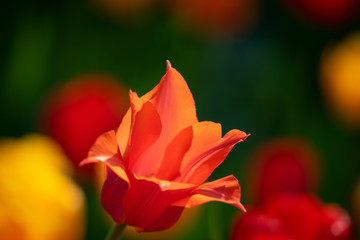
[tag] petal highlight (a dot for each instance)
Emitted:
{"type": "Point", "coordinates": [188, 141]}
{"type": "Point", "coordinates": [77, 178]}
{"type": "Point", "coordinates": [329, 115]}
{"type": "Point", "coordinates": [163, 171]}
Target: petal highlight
{"type": "Point", "coordinates": [225, 190]}
{"type": "Point", "coordinates": [105, 149]}
{"type": "Point", "coordinates": [174, 153]}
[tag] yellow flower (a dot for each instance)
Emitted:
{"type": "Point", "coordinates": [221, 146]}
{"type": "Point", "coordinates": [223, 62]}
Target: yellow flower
{"type": "Point", "coordinates": [340, 75]}
{"type": "Point", "coordinates": [38, 201]}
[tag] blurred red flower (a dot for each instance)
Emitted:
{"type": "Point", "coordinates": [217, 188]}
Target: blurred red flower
{"type": "Point", "coordinates": [325, 12]}
{"type": "Point", "coordinates": [293, 216]}
{"type": "Point", "coordinates": [81, 110]}
{"type": "Point", "coordinates": [159, 157]}
{"type": "Point", "coordinates": [286, 165]}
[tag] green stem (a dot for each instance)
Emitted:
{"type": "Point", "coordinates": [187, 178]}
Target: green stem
{"type": "Point", "coordinates": [115, 232]}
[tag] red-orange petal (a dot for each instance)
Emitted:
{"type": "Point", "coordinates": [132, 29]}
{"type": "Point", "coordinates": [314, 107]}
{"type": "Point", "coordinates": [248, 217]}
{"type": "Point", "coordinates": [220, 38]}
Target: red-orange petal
{"type": "Point", "coordinates": [174, 153]}
{"type": "Point", "coordinates": [176, 107]}
{"type": "Point", "coordinates": [123, 132]}
{"type": "Point", "coordinates": [225, 190]}
{"type": "Point", "coordinates": [146, 130]}
{"type": "Point", "coordinates": [148, 199]}
{"type": "Point", "coordinates": [203, 164]}
{"type": "Point", "coordinates": [105, 149]}
{"type": "Point", "coordinates": [167, 219]}
{"type": "Point", "coordinates": [112, 196]}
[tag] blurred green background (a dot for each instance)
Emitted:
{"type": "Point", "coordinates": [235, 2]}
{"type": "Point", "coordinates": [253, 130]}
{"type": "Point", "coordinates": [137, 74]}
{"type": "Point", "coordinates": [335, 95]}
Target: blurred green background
{"type": "Point", "coordinates": [263, 79]}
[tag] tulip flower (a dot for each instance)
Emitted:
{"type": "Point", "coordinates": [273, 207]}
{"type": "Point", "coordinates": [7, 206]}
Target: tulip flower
{"type": "Point", "coordinates": [38, 199]}
{"type": "Point", "coordinates": [159, 157]}
{"type": "Point", "coordinates": [293, 216]}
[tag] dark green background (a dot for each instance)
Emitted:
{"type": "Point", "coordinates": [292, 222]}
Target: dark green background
{"type": "Point", "coordinates": [264, 82]}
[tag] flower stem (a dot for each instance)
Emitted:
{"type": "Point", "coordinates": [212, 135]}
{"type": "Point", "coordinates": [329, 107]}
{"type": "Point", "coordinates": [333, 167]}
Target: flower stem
{"type": "Point", "coordinates": [115, 232]}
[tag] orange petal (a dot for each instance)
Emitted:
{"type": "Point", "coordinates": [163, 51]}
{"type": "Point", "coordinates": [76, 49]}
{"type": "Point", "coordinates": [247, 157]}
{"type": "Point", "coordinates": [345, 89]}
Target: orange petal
{"type": "Point", "coordinates": [123, 132]}
{"type": "Point", "coordinates": [146, 130]}
{"type": "Point", "coordinates": [200, 167]}
{"type": "Point", "coordinates": [205, 135]}
{"type": "Point", "coordinates": [170, 167]}
{"type": "Point", "coordinates": [105, 149]}
{"type": "Point", "coordinates": [175, 104]}
{"type": "Point", "coordinates": [147, 200]}
{"type": "Point", "coordinates": [225, 190]}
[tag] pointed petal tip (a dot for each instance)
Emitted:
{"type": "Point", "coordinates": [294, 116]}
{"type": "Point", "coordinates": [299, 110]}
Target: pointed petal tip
{"type": "Point", "coordinates": [246, 136]}
{"type": "Point", "coordinates": [240, 206]}
{"type": "Point", "coordinates": [168, 65]}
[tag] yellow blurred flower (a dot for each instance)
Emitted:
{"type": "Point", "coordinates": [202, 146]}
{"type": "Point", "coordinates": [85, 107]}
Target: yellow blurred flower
{"type": "Point", "coordinates": [340, 75]}
{"type": "Point", "coordinates": [38, 201]}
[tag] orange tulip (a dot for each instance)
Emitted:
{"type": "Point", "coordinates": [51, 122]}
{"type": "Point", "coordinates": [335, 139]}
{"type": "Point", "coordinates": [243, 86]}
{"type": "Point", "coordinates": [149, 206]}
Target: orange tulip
{"type": "Point", "coordinates": [159, 157]}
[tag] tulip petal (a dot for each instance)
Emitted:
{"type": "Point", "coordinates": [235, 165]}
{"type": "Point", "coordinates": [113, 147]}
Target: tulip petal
{"type": "Point", "coordinates": [126, 126]}
{"type": "Point", "coordinates": [112, 195]}
{"type": "Point", "coordinates": [200, 167]}
{"type": "Point", "coordinates": [170, 167]}
{"type": "Point", "coordinates": [123, 132]}
{"type": "Point", "coordinates": [167, 219]}
{"type": "Point", "coordinates": [147, 199]}
{"type": "Point", "coordinates": [175, 104]}
{"type": "Point", "coordinates": [205, 135]}
{"type": "Point", "coordinates": [225, 190]}
{"type": "Point", "coordinates": [176, 107]}
{"type": "Point", "coordinates": [146, 130]}
{"type": "Point", "coordinates": [105, 149]}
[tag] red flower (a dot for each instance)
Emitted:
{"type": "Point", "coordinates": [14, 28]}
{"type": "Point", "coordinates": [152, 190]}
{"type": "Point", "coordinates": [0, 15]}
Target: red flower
{"type": "Point", "coordinates": [325, 12]}
{"type": "Point", "coordinates": [159, 157]}
{"type": "Point", "coordinates": [296, 216]}
{"type": "Point", "coordinates": [286, 165]}
{"type": "Point", "coordinates": [81, 110]}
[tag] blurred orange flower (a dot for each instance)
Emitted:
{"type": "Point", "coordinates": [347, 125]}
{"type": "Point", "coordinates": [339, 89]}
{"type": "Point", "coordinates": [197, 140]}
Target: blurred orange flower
{"type": "Point", "coordinates": [216, 16]}
{"type": "Point", "coordinates": [159, 157]}
{"type": "Point", "coordinates": [38, 201]}
{"type": "Point", "coordinates": [79, 111]}
{"type": "Point", "coordinates": [340, 78]}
